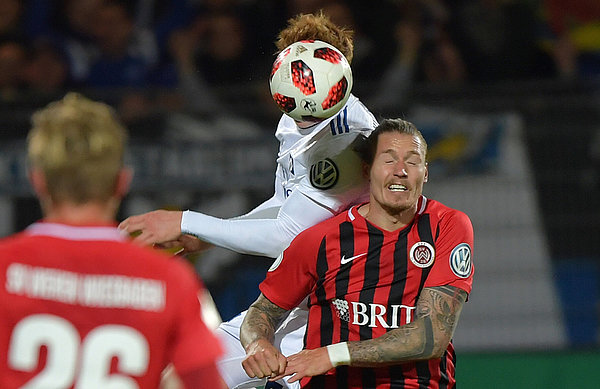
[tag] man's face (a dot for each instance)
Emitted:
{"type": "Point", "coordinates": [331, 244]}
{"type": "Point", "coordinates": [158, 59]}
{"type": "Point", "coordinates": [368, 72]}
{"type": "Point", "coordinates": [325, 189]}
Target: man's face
{"type": "Point", "coordinates": [398, 172]}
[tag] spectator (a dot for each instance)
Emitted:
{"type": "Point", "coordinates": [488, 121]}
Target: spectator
{"type": "Point", "coordinates": [47, 69]}
{"type": "Point", "coordinates": [575, 36]}
{"type": "Point", "coordinates": [225, 56]}
{"type": "Point", "coordinates": [71, 28]}
{"type": "Point", "coordinates": [424, 52]}
{"type": "Point", "coordinates": [12, 60]}
{"type": "Point", "coordinates": [126, 56]}
{"type": "Point", "coordinates": [498, 39]}
{"type": "Point", "coordinates": [11, 18]}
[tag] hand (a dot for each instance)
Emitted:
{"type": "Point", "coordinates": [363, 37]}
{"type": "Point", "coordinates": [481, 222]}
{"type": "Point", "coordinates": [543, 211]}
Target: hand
{"type": "Point", "coordinates": [184, 244]}
{"type": "Point", "coordinates": [264, 360]}
{"type": "Point", "coordinates": [156, 227]}
{"type": "Point", "coordinates": [307, 363]}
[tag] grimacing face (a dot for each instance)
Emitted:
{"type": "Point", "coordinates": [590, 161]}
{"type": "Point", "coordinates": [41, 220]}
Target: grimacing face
{"type": "Point", "coordinates": [398, 172]}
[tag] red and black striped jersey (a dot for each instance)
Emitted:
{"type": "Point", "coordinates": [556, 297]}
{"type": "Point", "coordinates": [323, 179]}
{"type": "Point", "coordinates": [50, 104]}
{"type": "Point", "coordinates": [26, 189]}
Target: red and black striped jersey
{"type": "Point", "coordinates": [363, 281]}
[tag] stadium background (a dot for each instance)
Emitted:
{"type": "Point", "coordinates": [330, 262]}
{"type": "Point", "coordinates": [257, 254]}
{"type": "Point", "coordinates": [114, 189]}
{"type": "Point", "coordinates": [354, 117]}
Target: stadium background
{"type": "Point", "coordinates": [511, 116]}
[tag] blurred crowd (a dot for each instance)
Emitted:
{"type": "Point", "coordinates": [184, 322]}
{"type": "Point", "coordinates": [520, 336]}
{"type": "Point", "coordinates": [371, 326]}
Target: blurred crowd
{"type": "Point", "coordinates": [198, 54]}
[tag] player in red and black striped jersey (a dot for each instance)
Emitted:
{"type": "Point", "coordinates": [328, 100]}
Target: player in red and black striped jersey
{"type": "Point", "coordinates": [386, 282]}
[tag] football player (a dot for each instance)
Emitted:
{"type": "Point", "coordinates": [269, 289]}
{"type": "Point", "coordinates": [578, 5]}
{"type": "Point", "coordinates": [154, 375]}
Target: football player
{"type": "Point", "coordinates": [318, 175]}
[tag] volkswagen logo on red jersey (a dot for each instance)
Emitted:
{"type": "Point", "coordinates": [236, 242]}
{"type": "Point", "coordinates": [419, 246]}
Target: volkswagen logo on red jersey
{"type": "Point", "coordinates": [422, 254]}
{"type": "Point", "coordinates": [324, 174]}
{"type": "Point", "coordinates": [460, 260]}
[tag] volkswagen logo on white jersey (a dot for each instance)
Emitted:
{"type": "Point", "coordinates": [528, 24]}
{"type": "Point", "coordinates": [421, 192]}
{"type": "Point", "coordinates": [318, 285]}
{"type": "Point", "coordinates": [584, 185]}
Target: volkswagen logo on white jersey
{"type": "Point", "coordinates": [460, 260]}
{"type": "Point", "coordinates": [324, 174]}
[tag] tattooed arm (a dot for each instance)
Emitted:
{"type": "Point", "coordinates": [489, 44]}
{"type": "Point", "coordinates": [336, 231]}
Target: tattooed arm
{"type": "Point", "coordinates": [427, 337]}
{"type": "Point", "coordinates": [256, 334]}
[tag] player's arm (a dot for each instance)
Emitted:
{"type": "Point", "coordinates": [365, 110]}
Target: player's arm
{"type": "Point", "coordinates": [427, 337]}
{"type": "Point", "coordinates": [257, 334]}
{"type": "Point", "coordinates": [163, 228]}
{"type": "Point", "coordinates": [267, 236]}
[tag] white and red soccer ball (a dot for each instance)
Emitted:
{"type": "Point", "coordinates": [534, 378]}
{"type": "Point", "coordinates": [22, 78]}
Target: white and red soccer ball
{"type": "Point", "coordinates": [310, 80]}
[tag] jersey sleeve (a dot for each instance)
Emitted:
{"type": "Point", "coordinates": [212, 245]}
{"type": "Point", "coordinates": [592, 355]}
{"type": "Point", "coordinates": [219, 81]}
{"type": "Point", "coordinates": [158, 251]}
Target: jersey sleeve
{"type": "Point", "coordinates": [258, 236]}
{"type": "Point", "coordinates": [453, 264]}
{"type": "Point", "coordinates": [194, 345]}
{"type": "Point", "coordinates": [292, 276]}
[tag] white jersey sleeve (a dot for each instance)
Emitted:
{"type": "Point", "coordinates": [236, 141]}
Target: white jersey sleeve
{"type": "Point", "coordinates": [265, 236]}
{"type": "Point", "coordinates": [318, 175]}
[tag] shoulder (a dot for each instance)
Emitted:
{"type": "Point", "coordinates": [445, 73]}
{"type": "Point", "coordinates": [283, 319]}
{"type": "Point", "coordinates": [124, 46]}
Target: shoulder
{"type": "Point", "coordinates": [158, 259]}
{"type": "Point", "coordinates": [354, 117]}
{"type": "Point", "coordinates": [441, 210]}
{"type": "Point", "coordinates": [447, 218]}
{"type": "Point", "coordinates": [358, 115]}
{"type": "Point", "coordinates": [286, 125]}
{"type": "Point", "coordinates": [320, 230]}
{"type": "Point", "coordinates": [175, 271]}
{"type": "Point", "coordinates": [13, 242]}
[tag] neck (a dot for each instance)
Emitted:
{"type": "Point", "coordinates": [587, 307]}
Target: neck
{"type": "Point", "coordinates": [80, 214]}
{"type": "Point", "coordinates": [389, 219]}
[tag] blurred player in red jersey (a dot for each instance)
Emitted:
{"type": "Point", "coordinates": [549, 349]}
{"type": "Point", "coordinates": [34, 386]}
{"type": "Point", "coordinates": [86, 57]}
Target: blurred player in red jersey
{"type": "Point", "coordinates": [80, 306]}
{"type": "Point", "coordinates": [386, 282]}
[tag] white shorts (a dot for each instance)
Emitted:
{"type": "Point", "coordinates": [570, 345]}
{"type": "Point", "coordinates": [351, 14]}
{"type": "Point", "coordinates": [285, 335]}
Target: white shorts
{"type": "Point", "coordinates": [289, 339]}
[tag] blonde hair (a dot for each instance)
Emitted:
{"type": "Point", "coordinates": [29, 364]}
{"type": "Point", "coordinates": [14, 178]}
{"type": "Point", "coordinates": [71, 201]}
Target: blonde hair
{"type": "Point", "coordinates": [316, 27]}
{"type": "Point", "coordinates": [79, 145]}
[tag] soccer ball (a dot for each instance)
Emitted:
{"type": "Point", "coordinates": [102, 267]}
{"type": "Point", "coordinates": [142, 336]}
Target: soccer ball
{"type": "Point", "coordinates": [310, 80]}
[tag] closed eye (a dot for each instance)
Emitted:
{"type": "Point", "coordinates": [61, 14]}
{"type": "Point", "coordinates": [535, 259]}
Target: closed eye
{"type": "Point", "coordinates": [413, 161]}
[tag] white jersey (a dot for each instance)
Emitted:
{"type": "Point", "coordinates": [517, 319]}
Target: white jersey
{"type": "Point", "coordinates": [319, 161]}
{"type": "Point", "coordinates": [318, 175]}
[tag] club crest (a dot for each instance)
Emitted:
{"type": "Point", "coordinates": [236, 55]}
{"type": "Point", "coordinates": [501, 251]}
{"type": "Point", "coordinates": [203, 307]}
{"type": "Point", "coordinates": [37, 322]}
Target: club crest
{"type": "Point", "coordinates": [460, 260]}
{"type": "Point", "coordinates": [422, 254]}
{"type": "Point", "coordinates": [324, 174]}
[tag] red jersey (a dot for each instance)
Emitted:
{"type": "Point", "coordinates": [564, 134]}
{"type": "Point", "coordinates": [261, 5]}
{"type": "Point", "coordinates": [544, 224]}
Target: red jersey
{"type": "Point", "coordinates": [363, 281]}
{"type": "Point", "coordinates": [82, 308]}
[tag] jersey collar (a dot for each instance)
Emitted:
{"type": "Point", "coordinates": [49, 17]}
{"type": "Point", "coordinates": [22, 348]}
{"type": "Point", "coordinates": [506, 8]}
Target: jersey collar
{"type": "Point", "coordinates": [71, 232]}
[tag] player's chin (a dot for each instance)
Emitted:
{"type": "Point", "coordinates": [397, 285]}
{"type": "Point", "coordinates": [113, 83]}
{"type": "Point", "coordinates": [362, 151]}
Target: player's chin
{"type": "Point", "coordinates": [308, 123]}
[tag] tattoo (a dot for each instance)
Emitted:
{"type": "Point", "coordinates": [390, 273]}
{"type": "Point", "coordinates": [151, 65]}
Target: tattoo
{"type": "Point", "coordinates": [261, 320]}
{"type": "Point", "coordinates": [447, 303]}
{"type": "Point", "coordinates": [437, 313]}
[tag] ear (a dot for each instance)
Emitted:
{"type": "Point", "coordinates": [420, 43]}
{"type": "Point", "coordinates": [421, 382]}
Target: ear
{"type": "Point", "coordinates": [38, 182]}
{"type": "Point", "coordinates": [366, 170]}
{"type": "Point", "coordinates": [426, 172]}
{"type": "Point", "coordinates": [123, 182]}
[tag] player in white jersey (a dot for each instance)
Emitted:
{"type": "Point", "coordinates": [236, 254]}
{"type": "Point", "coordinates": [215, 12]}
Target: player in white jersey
{"type": "Point", "coordinates": [318, 175]}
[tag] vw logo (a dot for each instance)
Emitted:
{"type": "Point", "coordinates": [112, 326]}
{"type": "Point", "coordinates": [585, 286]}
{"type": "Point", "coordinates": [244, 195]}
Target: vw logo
{"type": "Point", "coordinates": [324, 174]}
{"type": "Point", "coordinates": [460, 260]}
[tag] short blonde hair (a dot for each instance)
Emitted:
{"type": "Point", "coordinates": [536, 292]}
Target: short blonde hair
{"type": "Point", "coordinates": [79, 145]}
{"type": "Point", "coordinates": [317, 27]}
